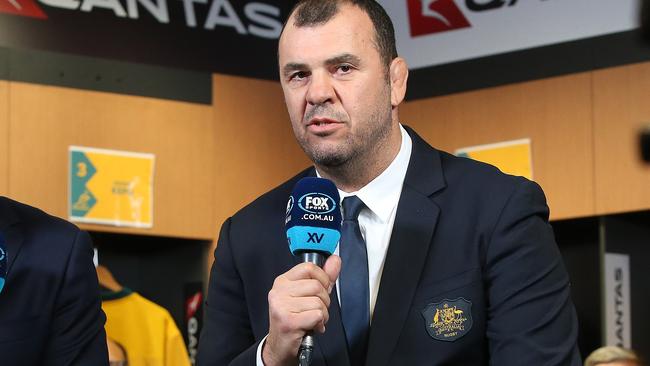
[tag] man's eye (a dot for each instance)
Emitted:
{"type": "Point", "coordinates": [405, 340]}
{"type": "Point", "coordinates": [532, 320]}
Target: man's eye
{"type": "Point", "coordinates": [345, 68]}
{"type": "Point", "coordinates": [298, 75]}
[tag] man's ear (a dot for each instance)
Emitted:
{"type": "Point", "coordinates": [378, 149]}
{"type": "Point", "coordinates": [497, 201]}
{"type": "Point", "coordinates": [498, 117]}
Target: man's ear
{"type": "Point", "coordinates": [399, 74]}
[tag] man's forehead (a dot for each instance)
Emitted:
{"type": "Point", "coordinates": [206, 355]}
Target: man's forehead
{"type": "Point", "coordinates": [349, 27]}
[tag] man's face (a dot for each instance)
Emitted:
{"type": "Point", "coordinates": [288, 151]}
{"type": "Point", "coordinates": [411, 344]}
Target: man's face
{"type": "Point", "coordinates": [336, 88]}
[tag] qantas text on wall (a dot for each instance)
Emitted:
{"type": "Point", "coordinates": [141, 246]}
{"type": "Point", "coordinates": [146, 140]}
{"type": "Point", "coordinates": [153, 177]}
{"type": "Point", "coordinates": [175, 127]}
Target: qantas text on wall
{"type": "Point", "coordinates": [253, 18]}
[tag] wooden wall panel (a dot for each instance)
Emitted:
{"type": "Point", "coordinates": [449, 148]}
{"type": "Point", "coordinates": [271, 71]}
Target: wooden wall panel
{"type": "Point", "coordinates": [621, 107]}
{"type": "Point", "coordinates": [555, 113]}
{"type": "Point", "coordinates": [45, 120]}
{"type": "Point", "coordinates": [255, 147]}
{"type": "Point", "coordinates": [4, 137]}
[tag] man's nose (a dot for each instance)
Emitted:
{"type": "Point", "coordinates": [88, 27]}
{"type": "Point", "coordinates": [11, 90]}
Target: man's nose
{"type": "Point", "coordinates": [321, 89]}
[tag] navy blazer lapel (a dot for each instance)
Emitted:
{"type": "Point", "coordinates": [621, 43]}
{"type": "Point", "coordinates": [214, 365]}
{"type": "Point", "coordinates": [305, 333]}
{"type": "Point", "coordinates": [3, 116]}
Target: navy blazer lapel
{"type": "Point", "coordinates": [415, 223]}
{"type": "Point", "coordinates": [10, 230]}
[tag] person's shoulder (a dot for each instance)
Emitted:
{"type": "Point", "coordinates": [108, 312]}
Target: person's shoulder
{"type": "Point", "coordinates": [461, 172]}
{"type": "Point", "coordinates": [33, 219]}
{"type": "Point", "coordinates": [471, 172]}
{"type": "Point", "coordinates": [485, 185]}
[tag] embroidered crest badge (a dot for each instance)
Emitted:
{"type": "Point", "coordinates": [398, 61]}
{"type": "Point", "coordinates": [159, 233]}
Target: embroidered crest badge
{"type": "Point", "coordinates": [448, 320]}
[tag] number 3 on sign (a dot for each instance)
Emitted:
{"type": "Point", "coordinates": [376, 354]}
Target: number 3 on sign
{"type": "Point", "coordinates": [82, 170]}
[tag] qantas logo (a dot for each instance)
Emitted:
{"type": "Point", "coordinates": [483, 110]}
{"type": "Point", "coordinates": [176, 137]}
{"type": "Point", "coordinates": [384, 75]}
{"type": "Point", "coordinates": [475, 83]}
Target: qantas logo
{"type": "Point", "coordinates": [192, 304]}
{"type": "Point", "coordinates": [246, 18]}
{"type": "Point", "coordinates": [435, 16]}
{"type": "Point", "coordinates": [27, 8]}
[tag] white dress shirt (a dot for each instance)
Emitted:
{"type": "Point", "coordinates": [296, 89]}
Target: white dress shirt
{"type": "Point", "coordinates": [376, 220]}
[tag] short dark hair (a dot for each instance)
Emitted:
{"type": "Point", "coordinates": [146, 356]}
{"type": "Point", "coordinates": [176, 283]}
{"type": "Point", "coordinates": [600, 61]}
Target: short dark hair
{"type": "Point", "coordinates": [318, 12]}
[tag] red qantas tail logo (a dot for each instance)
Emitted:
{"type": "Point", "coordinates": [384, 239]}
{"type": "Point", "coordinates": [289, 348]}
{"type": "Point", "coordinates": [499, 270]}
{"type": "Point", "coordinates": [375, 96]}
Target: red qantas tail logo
{"type": "Point", "coordinates": [192, 304]}
{"type": "Point", "coordinates": [27, 8]}
{"type": "Point", "coordinates": [433, 16]}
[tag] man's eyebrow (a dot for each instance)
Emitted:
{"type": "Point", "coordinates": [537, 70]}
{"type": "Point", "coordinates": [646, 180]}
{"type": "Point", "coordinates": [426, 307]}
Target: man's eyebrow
{"type": "Point", "coordinates": [343, 59]}
{"type": "Point", "coordinates": [339, 59]}
{"type": "Point", "coordinates": [293, 66]}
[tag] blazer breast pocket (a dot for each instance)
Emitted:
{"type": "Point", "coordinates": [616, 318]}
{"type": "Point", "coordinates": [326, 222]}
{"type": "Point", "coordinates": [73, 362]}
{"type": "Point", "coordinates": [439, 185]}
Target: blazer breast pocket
{"type": "Point", "coordinates": [451, 285]}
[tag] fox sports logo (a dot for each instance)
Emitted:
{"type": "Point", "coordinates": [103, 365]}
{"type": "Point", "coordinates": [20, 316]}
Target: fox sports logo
{"type": "Point", "coordinates": [317, 203]}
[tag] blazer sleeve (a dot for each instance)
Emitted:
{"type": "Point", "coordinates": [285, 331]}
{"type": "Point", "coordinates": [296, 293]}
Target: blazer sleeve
{"type": "Point", "coordinates": [531, 318]}
{"type": "Point", "coordinates": [77, 334]}
{"type": "Point", "coordinates": [227, 337]}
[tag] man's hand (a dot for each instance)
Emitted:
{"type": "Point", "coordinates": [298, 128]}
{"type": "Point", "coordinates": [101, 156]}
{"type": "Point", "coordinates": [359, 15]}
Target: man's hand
{"type": "Point", "coordinates": [298, 303]}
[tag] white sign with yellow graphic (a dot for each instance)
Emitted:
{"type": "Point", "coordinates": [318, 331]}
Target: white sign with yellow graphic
{"type": "Point", "coordinates": [111, 187]}
{"type": "Point", "coordinates": [511, 157]}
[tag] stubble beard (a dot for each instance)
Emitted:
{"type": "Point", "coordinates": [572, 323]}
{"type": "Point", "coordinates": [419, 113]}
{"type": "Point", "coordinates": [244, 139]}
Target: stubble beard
{"type": "Point", "coordinates": [358, 150]}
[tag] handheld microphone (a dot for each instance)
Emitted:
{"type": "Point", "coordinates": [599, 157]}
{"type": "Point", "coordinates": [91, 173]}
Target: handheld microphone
{"type": "Point", "coordinates": [313, 225]}
{"type": "Point", "coordinates": [3, 261]}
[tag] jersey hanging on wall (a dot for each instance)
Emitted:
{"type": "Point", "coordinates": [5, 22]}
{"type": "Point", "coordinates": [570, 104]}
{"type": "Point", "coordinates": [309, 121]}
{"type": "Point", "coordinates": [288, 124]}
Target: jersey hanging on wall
{"type": "Point", "coordinates": [144, 329]}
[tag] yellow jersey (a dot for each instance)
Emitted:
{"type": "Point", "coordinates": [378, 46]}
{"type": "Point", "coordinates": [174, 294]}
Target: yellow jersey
{"type": "Point", "coordinates": [144, 329]}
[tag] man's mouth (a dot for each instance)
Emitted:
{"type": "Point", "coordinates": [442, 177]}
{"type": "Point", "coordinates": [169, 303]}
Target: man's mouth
{"type": "Point", "coordinates": [323, 126]}
{"type": "Point", "coordinates": [321, 122]}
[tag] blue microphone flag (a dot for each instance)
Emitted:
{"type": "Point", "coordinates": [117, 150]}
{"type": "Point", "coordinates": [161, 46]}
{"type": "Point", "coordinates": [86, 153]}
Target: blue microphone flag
{"type": "Point", "coordinates": [3, 262]}
{"type": "Point", "coordinates": [313, 221]}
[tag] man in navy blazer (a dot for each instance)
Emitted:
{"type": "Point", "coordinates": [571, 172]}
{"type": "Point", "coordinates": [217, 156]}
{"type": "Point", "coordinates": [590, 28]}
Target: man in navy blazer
{"type": "Point", "coordinates": [50, 308]}
{"type": "Point", "coordinates": [469, 273]}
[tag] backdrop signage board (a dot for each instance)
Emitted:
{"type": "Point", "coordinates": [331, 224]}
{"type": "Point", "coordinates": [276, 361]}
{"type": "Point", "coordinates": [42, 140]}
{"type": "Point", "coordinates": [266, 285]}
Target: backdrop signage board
{"type": "Point", "coordinates": [618, 317]}
{"type": "Point", "coordinates": [228, 36]}
{"type": "Point", "coordinates": [111, 187]}
{"type": "Point", "coordinates": [240, 36]}
{"type": "Point", "coordinates": [435, 32]}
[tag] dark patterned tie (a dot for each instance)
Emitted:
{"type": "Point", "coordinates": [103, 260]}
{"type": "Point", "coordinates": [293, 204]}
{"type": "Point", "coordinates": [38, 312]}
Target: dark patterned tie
{"type": "Point", "coordinates": [353, 282]}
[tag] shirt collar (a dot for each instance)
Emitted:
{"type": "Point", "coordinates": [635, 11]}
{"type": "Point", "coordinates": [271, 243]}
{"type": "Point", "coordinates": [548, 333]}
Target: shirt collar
{"type": "Point", "coordinates": [382, 194]}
